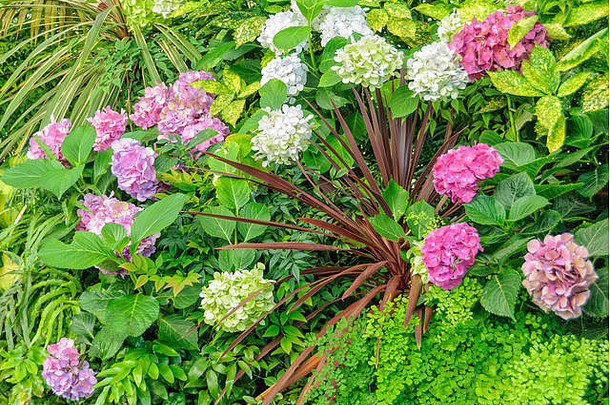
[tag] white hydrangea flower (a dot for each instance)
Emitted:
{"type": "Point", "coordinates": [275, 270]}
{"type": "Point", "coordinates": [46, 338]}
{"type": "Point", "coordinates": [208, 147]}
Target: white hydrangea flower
{"type": "Point", "coordinates": [435, 73]}
{"type": "Point", "coordinates": [282, 134]}
{"type": "Point", "coordinates": [289, 70]}
{"type": "Point", "coordinates": [315, 24]}
{"type": "Point", "coordinates": [370, 61]}
{"type": "Point", "coordinates": [166, 7]}
{"type": "Point", "coordinates": [343, 22]}
{"type": "Point", "coordinates": [449, 26]}
{"type": "Point", "coordinates": [276, 23]}
{"type": "Point", "coordinates": [228, 289]}
{"type": "Point", "coordinates": [417, 262]}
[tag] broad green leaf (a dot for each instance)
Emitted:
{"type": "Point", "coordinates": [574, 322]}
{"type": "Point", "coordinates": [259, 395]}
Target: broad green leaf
{"type": "Point", "coordinates": [327, 60]}
{"type": "Point", "coordinates": [329, 78]}
{"type": "Point", "coordinates": [157, 217]}
{"type": "Point", "coordinates": [387, 227]}
{"type": "Point", "coordinates": [96, 302]}
{"type": "Point", "coordinates": [584, 51]}
{"type": "Point", "coordinates": [177, 331]}
{"type": "Point", "coordinates": [586, 13]}
{"type": "Point", "coordinates": [515, 154]}
{"type": "Point", "coordinates": [218, 228]}
{"type": "Point", "coordinates": [114, 235]}
{"type": "Point", "coordinates": [60, 179]}
{"type": "Point", "coordinates": [594, 238]}
{"type": "Point", "coordinates": [29, 173]}
{"type": "Point", "coordinates": [508, 81]}
{"type": "Point", "coordinates": [540, 70]}
{"type": "Point", "coordinates": [526, 206]}
{"type": "Point", "coordinates": [324, 97]}
{"type": "Point", "coordinates": [553, 190]}
{"type": "Point", "coordinates": [511, 189]}
{"type": "Point", "coordinates": [273, 94]}
{"type": "Point", "coordinates": [420, 218]}
{"type": "Point", "coordinates": [236, 259]}
{"type": "Point", "coordinates": [290, 37]}
{"type": "Point", "coordinates": [107, 342]}
{"type": "Point", "coordinates": [397, 199]}
{"type": "Point", "coordinates": [500, 293]}
{"type": "Point", "coordinates": [78, 145]}
{"type": "Point", "coordinates": [545, 223]}
{"type": "Point", "coordinates": [403, 102]}
{"type": "Point", "coordinates": [520, 28]}
{"type": "Point", "coordinates": [101, 163]}
{"type": "Point", "coordinates": [573, 84]}
{"type": "Point", "coordinates": [593, 181]}
{"type": "Point", "coordinates": [132, 314]}
{"type": "Point", "coordinates": [232, 193]}
{"type": "Point", "coordinates": [598, 301]}
{"type": "Point", "coordinates": [83, 326]}
{"type": "Point", "coordinates": [341, 3]}
{"type": "Point", "coordinates": [86, 250]}
{"type": "Point", "coordinates": [485, 210]}
{"type": "Point", "coordinates": [229, 151]}
{"type": "Point", "coordinates": [513, 245]}
{"type": "Point", "coordinates": [253, 210]}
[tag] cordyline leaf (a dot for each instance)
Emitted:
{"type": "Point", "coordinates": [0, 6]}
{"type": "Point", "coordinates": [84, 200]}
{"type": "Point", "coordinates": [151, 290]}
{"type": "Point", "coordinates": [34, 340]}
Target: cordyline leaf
{"type": "Point", "coordinates": [362, 277]}
{"type": "Point", "coordinates": [414, 292]}
{"type": "Point", "coordinates": [291, 246]}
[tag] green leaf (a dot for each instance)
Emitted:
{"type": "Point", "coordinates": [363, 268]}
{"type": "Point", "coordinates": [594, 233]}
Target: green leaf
{"type": "Point", "coordinates": [500, 293]}
{"type": "Point", "coordinates": [253, 210]}
{"type": "Point", "coordinates": [594, 238]}
{"type": "Point", "coordinates": [545, 223]}
{"type": "Point", "coordinates": [107, 342]}
{"type": "Point", "coordinates": [179, 332]}
{"type": "Point", "coordinates": [419, 218]}
{"type": "Point", "coordinates": [132, 314]}
{"type": "Point", "coordinates": [96, 302]}
{"type": "Point", "coordinates": [553, 190]}
{"type": "Point", "coordinates": [515, 154]}
{"type": "Point", "coordinates": [485, 210]}
{"type": "Point", "coordinates": [157, 217]}
{"type": "Point", "coordinates": [29, 173]}
{"type": "Point", "coordinates": [511, 189]}
{"type": "Point", "coordinates": [557, 134]}
{"type": "Point", "coordinates": [114, 235]}
{"type": "Point", "coordinates": [593, 181]}
{"type": "Point", "coordinates": [520, 28]}
{"type": "Point", "coordinates": [556, 31]}
{"type": "Point", "coordinates": [82, 326]}
{"type": "Point", "coordinates": [78, 145]}
{"type": "Point", "coordinates": [573, 84]}
{"type": "Point", "coordinates": [290, 37]}
{"type": "Point", "coordinates": [586, 13]}
{"type": "Point", "coordinates": [403, 102]}
{"type": "Point", "coordinates": [218, 228]}
{"type": "Point", "coordinates": [236, 259]}
{"type": "Point", "coordinates": [60, 179]}
{"type": "Point", "coordinates": [232, 193]}
{"type": "Point", "coordinates": [584, 51]}
{"type": "Point", "coordinates": [101, 163]}
{"type": "Point", "coordinates": [540, 70]}
{"type": "Point", "coordinates": [397, 199]}
{"type": "Point", "coordinates": [387, 227]}
{"type": "Point", "coordinates": [598, 301]}
{"type": "Point", "coordinates": [526, 206]}
{"type": "Point", "coordinates": [273, 94]}
{"type": "Point", "coordinates": [327, 60]}
{"type": "Point", "coordinates": [341, 3]}
{"type": "Point", "coordinates": [508, 81]}
{"type": "Point", "coordinates": [229, 151]}
{"type": "Point", "coordinates": [548, 110]}
{"type": "Point", "coordinates": [86, 250]}
{"type": "Point", "coordinates": [329, 78]}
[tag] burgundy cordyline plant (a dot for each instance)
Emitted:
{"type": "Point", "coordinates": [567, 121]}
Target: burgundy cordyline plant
{"type": "Point", "coordinates": [66, 374]}
{"type": "Point", "coordinates": [397, 145]}
{"type": "Point", "coordinates": [558, 274]}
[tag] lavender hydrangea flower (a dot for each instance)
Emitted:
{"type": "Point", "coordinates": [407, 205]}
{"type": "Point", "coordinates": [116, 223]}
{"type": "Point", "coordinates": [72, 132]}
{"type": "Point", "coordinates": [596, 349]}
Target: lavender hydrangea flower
{"type": "Point", "coordinates": [134, 167]}
{"type": "Point", "coordinates": [64, 372]}
{"type": "Point", "coordinates": [109, 126]}
{"type": "Point", "coordinates": [52, 135]}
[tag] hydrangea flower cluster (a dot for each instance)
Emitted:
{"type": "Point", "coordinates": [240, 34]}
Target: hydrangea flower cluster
{"type": "Point", "coordinates": [166, 7]}
{"type": "Point", "coordinates": [484, 45]}
{"type": "Point", "coordinates": [147, 111]}
{"type": "Point", "coordinates": [558, 274]}
{"type": "Point", "coordinates": [435, 73]}
{"type": "Point", "coordinates": [449, 26]}
{"type": "Point", "coordinates": [65, 374]}
{"type": "Point", "coordinates": [134, 167]}
{"type": "Point", "coordinates": [109, 126]}
{"type": "Point", "coordinates": [52, 135]}
{"type": "Point", "coordinates": [343, 22]}
{"type": "Point", "coordinates": [290, 70]}
{"type": "Point", "coordinates": [228, 289]}
{"type": "Point", "coordinates": [457, 172]}
{"type": "Point", "coordinates": [110, 210]}
{"type": "Point", "coordinates": [282, 134]}
{"type": "Point", "coordinates": [278, 22]}
{"type": "Point", "coordinates": [202, 124]}
{"type": "Point", "coordinates": [448, 252]}
{"type": "Point", "coordinates": [370, 61]}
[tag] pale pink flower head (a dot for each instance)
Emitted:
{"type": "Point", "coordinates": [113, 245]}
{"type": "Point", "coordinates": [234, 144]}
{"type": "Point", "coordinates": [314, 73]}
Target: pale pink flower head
{"type": "Point", "coordinates": [457, 172]}
{"type": "Point", "coordinates": [147, 111]}
{"type": "Point", "coordinates": [67, 376]}
{"type": "Point", "coordinates": [109, 126]}
{"type": "Point", "coordinates": [484, 45]}
{"type": "Point", "coordinates": [448, 252]}
{"type": "Point", "coordinates": [52, 135]}
{"type": "Point", "coordinates": [558, 274]}
{"type": "Point", "coordinates": [134, 167]}
{"type": "Point", "coordinates": [203, 123]}
{"type": "Point", "coordinates": [190, 95]}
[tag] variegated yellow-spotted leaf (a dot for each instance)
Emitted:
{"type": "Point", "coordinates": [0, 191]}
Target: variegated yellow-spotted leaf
{"type": "Point", "coordinates": [220, 103]}
{"type": "Point", "coordinates": [250, 89]}
{"type": "Point", "coordinates": [548, 111]}
{"type": "Point", "coordinates": [233, 111]}
{"type": "Point", "coordinates": [377, 19]}
{"type": "Point", "coordinates": [212, 86]}
{"type": "Point", "coordinates": [397, 10]}
{"type": "Point", "coordinates": [596, 94]}
{"type": "Point", "coordinates": [556, 31]}
{"type": "Point", "coordinates": [248, 30]}
{"type": "Point", "coordinates": [513, 83]}
{"type": "Point", "coordinates": [573, 84]}
{"type": "Point", "coordinates": [557, 134]}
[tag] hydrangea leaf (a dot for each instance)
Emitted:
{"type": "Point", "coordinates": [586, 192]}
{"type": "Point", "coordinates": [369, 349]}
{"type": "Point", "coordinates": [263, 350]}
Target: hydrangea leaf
{"type": "Point", "coordinates": [156, 217]}
{"type": "Point", "coordinates": [598, 301]}
{"type": "Point", "coordinates": [513, 188]}
{"type": "Point", "coordinates": [515, 154]}
{"type": "Point", "coordinates": [132, 314]}
{"type": "Point", "coordinates": [273, 94]}
{"type": "Point", "coordinates": [485, 210]}
{"type": "Point", "coordinates": [526, 206]}
{"type": "Point", "coordinates": [216, 227]}
{"type": "Point", "coordinates": [500, 293]}
{"type": "Point", "coordinates": [232, 193]}
{"type": "Point", "coordinates": [397, 199]}
{"type": "Point", "coordinates": [327, 60]}
{"type": "Point", "coordinates": [403, 102]}
{"type": "Point", "coordinates": [377, 19]}
{"type": "Point", "coordinates": [59, 180]}
{"type": "Point", "coordinates": [594, 238]}
{"type": "Point", "coordinates": [107, 342]}
{"type": "Point", "coordinates": [556, 31]}
{"type": "Point", "coordinates": [584, 51]}
{"type": "Point", "coordinates": [253, 210]}
{"type": "Point", "coordinates": [86, 250]}
{"type": "Point", "coordinates": [573, 84]}
{"type": "Point", "coordinates": [593, 181]}
{"type": "Point", "coordinates": [520, 28]}
{"type": "Point", "coordinates": [586, 13]}
{"type": "Point", "coordinates": [177, 331]}
{"type": "Point", "coordinates": [387, 227]}
{"type": "Point", "coordinates": [290, 37]}
{"type": "Point", "coordinates": [420, 218]}
{"type": "Point", "coordinates": [236, 259]}
{"type": "Point", "coordinates": [513, 83]}
{"type": "Point", "coordinates": [78, 144]}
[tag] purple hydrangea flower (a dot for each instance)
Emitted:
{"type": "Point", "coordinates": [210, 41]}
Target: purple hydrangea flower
{"type": "Point", "coordinates": [52, 135]}
{"type": "Point", "coordinates": [64, 372]}
{"type": "Point", "coordinates": [134, 167]}
{"type": "Point", "coordinates": [109, 126]}
{"type": "Point", "coordinates": [448, 252]}
{"type": "Point", "coordinates": [558, 274]}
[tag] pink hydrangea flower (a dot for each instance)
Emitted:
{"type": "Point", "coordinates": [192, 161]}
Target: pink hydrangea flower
{"type": "Point", "coordinates": [484, 45]}
{"type": "Point", "coordinates": [457, 172]}
{"type": "Point", "coordinates": [448, 252]}
{"type": "Point", "coordinates": [558, 274]}
{"type": "Point", "coordinates": [134, 167]}
{"type": "Point", "coordinates": [190, 95]}
{"type": "Point", "coordinates": [147, 111]}
{"type": "Point", "coordinates": [109, 126]}
{"type": "Point", "coordinates": [190, 131]}
{"type": "Point", "coordinates": [64, 372]}
{"type": "Point", "coordinates": [52, 135]}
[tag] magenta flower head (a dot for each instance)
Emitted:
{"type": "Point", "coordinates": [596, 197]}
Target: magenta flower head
{"type": "Point", "coordinates": [484, 45]}
{"type": "Point", "coordinates": [64, 372]}
{"type": "Point", "coordinates": [52, 135]}
{"type": "Point", "coordinates": [558, 274]}
{"type": "Point", "coordinates": [457, 172]}
{"type": "Point", "coordinates": [134, 167]}
{"type": "Point", "coordinates": [448, 252]}
{"type": "Point", "coordinates": [109, 126]}
{"type": "Point", "coordinates": [147, 111]}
